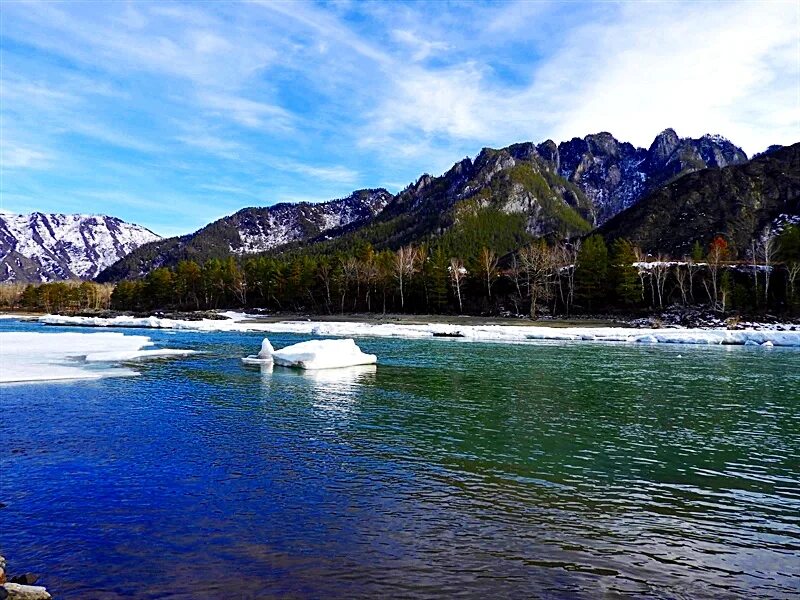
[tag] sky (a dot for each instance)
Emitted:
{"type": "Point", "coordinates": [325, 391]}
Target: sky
{"type": "Point", "coordinates": [173, 114]}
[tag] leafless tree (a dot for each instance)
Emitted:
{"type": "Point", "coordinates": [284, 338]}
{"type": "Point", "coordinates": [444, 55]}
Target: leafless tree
{"type": "Point", "coordinates": [516, 273]}
{"type": "Point", "coordinates": [405, 264]}
{"type": "Point", "coordinates": [717, 254]}
{"type": "Point", "coordinates": [792, 271]}
{"type": "Point", "coordinates": [488, 262]}
{"type": "Point", "coordinates": [457, 274]}
{"type": "Point", "coordinates": [682, 279]}
{"type": "Point", "coordinates": [660, 273]}
{"type": "Point", "coordinates": [349, 274]}
{"type": "Point", "coordinates": [565, 256]}
{"type": "Point", "coordinates": [537, 261]}
{"type": "Point", "coordinates": [766, 253]}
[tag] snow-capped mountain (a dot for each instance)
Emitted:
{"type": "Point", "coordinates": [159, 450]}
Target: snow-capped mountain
{"type": "Point", "coordinates": [49, 247]}
{"type": "Point", "coordinates": [254, 230]}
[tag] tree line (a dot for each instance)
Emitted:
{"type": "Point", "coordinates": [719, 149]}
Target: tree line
{"type": "Point", "coordinates": [560, 278]}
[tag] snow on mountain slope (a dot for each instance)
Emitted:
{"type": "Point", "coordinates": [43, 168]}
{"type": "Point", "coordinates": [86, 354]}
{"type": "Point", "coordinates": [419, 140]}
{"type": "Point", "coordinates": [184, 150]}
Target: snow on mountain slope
{"type": "Point", "coordinates": [48, 247]}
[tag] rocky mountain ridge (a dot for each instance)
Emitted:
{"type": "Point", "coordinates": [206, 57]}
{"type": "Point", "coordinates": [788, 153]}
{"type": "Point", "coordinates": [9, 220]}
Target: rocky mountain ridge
{"type": "Point", "coordinates": [254, 230]}
{"type": "Point", "coordinates": [46, 247]}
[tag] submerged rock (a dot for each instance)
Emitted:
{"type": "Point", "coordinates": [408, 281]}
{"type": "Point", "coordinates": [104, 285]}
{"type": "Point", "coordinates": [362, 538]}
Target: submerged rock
{"type": "Point", "coordinates": [25, 579]}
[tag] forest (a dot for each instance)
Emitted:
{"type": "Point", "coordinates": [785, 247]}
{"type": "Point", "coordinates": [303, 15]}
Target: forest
{"type": "Point", "coordinates": [584, 277]}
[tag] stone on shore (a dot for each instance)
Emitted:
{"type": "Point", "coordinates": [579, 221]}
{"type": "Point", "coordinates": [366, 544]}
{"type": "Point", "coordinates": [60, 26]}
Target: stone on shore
{"type": "Point", "coordinates": [17, 591]}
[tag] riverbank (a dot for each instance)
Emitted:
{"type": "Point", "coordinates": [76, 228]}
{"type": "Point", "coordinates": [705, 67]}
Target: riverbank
{"type": "Point", "coordinates": [515, 332]}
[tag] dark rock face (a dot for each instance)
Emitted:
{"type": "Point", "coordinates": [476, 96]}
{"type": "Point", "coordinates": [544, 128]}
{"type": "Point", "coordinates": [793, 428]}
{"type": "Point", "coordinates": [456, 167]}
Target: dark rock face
{"type": "Point", "coordinates": [737, 201]}
{"type": "Point", "coordinates": [615, 175]}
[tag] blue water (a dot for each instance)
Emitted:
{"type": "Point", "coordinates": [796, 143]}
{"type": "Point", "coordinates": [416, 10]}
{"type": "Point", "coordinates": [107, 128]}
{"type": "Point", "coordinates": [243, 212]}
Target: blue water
{"type": "Point", "coordinates": [572, 470]}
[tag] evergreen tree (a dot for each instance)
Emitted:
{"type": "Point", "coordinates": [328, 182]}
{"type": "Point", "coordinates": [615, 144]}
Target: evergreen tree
{"type": "Point", "coordinates": [623, 275]}
{"type": "Point", "coordinates": [591, 271]}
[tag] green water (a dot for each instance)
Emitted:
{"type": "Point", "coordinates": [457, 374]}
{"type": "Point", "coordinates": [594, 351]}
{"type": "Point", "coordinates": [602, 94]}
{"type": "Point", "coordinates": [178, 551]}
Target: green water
{"type": "Point", "coordinates": [544, 470]}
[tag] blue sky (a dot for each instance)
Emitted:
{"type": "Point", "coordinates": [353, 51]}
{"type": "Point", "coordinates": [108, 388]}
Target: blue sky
{"type": "Point", "coordinates": [172, 114]}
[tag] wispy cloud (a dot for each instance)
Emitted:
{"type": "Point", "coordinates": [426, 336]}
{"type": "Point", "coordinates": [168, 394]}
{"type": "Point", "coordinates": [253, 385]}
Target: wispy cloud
{"type": "Point", "coordinates": [272, 100]}
{"type": "Point", "coordinates": [248, 112]}
{"type": "Point", "coordinates": [16, 156]}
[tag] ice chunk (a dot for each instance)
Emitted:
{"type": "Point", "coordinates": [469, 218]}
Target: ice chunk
{"type": "Point", "coordinates": [314, 354]}
{"type": "Point", "coordinates": [266, 350]}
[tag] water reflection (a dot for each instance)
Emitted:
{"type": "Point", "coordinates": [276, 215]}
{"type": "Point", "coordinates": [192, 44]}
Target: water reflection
{"type": "Point", "coordinates": [329, 389]}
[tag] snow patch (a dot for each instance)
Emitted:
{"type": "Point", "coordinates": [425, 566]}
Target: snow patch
{"type": "Point", "coordinates": [778, 335]}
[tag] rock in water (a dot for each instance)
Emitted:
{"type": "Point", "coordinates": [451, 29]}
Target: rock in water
{"type": "Point", "coordinates": [17, 591]}
{"type": "Point", "coordinates": [25, 579]}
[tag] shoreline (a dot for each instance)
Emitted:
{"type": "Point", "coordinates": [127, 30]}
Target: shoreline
{"type": "Point", "coordinates": [744, 334]}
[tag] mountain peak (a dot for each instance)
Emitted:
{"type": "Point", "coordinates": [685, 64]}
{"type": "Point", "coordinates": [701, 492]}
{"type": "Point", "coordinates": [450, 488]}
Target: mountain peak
{"type": "Point", "coordinates": [46, 247]}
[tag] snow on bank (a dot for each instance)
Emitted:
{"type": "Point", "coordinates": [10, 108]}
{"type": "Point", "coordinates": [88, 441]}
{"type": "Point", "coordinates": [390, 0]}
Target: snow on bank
{"type": "Point", "coordinates": [35, 356]}
{"type": "Point", "coordinates": [482, 333]}
{"type": "Point", "coordinates": [314, 355]}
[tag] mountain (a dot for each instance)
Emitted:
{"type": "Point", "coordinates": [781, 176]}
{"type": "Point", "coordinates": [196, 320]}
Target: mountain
{"type": "Point", "coordinates": [737, 201]}
{"type": "Point", "coordinates": [47, 247]}
{"type": "Point", "coordinates": [543, 190]}
{"type": "Point", "coordinates": [253, 230]}
{"type": "Point", "coordinates": [499, 199]}
{"type": "Point", "coordinates": [615, 175]}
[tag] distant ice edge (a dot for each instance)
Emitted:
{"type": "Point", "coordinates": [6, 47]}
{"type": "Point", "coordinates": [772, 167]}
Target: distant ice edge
{"type": "Point", "coordinates": [482, 333]}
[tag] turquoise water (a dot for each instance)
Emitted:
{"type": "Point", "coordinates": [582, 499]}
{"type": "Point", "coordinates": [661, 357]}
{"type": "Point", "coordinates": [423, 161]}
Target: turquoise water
{"type": "Point", "coordinates": [574, 470]}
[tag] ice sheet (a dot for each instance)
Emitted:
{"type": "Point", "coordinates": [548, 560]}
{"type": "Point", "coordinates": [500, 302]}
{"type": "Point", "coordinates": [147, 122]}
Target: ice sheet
{"type": "Point", "coordinates": [37, 356]}
{"type": "Point", "coordinates": [483, 333]}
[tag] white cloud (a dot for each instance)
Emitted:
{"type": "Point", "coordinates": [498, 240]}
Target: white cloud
{"type": "Point", "coordinates": [335, 174]}
{"type": "Point", "coordinates": [223, 148]}
{"type": "Point", "coordinates": [16, 156]}
{"type": "Point", "coordinates": [248, 112]}
{"type": "Point", "coordinates": [421, 48]}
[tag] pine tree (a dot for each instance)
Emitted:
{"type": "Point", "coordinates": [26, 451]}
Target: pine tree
{"type": "Point", "coordinates": [591, 271]}
{"type": "Point", "coordinates": [623, 275]}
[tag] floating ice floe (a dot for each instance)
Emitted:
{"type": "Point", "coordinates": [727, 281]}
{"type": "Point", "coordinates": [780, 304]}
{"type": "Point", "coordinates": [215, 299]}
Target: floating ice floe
{"type": "Point", "coordinates": [479, 333]}
{"type": "Point", "coordinates": [313, 355]}
{"type": "Point", "coordinates": [35, 356]}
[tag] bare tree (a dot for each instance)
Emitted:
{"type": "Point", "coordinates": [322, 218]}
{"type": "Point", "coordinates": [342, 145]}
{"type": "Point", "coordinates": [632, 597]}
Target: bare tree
{"type": "Point", "coordinates": [515, 272]}
{"type": "Point", "coordinates": [457, 274]}
{"type": "Point", "coordinates": [766, 252]}
{"type": "Point", "coordinates": [324, 272]}
{"type": "Point", "coordinates": [349, 273]}
{"type": "Point", "coordinates": [537, 261]}
{"type": "Point", "coordinates": [660, 273]}
{"type": "Point", "coordinates": [564, 258]}
{"type": "Point", "coordinates": [792, 271]}
{"type": "Point", "coordinates": [488, 262]}
{"type": "Point", "coordinates": [682, 279]}
{"type": "Point", "coordinates": [691, 268]}
{"type": "Point", "coordinates": [717, 253]}
{"type": "Point", "coordinates": [405, 264]}
{"type": "Point", "coordinates": [641, 268]}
